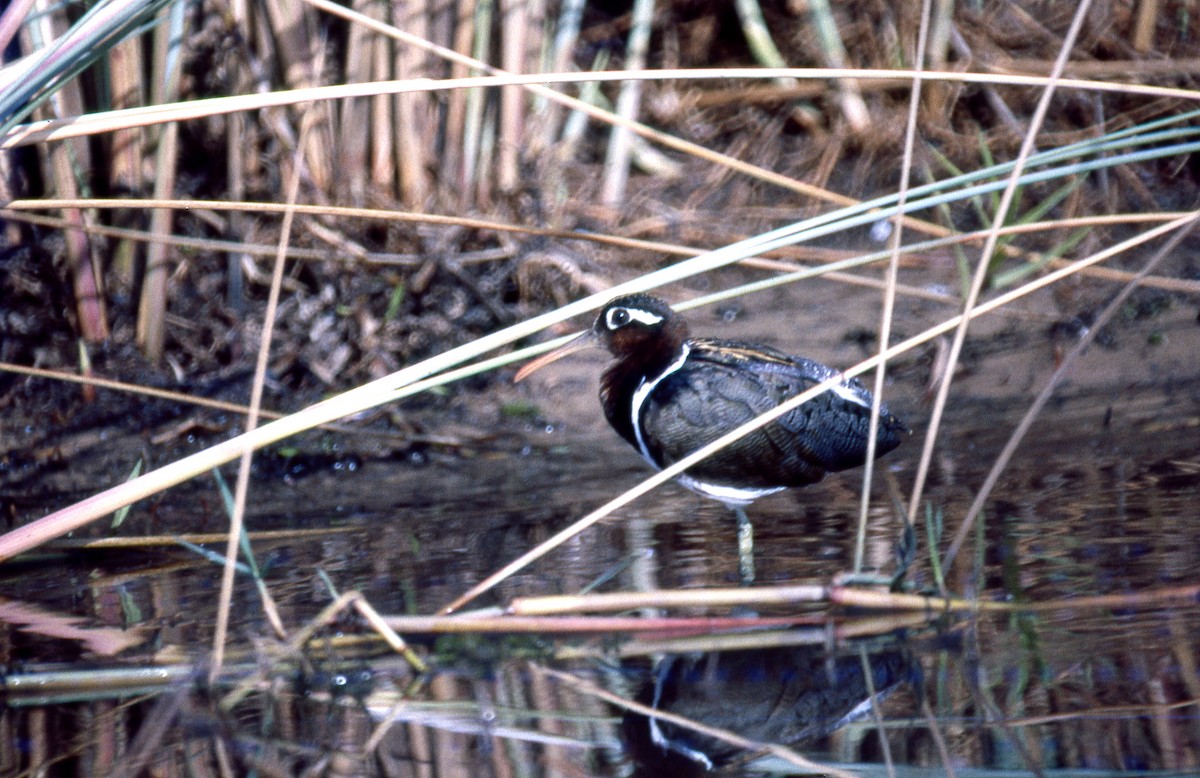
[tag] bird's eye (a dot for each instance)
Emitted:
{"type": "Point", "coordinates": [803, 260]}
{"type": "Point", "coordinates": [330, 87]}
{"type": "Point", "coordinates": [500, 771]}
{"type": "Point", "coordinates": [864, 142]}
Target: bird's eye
{"type": "Point", "coordinates": [617, 318]}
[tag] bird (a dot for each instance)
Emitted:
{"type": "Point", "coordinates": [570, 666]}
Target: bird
{"type": "Point", "coordinates": [668, 394]}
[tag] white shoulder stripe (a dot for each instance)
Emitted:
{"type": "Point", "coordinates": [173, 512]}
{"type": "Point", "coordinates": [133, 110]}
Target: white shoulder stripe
{"type": "Point", "coordinates": [639, 399]}
{"type": "Point", "coordinates": [848, 394]}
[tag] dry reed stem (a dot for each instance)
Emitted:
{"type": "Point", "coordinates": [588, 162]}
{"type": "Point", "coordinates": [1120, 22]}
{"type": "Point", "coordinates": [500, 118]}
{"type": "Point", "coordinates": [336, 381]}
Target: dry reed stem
{"type": "Point", "coordinates": [294, 27]}
{"type": "Point", "coordinates": [819, 630]}
{"type": "Point", "coordinates": [514, 23]}
{"type": "Point", "coordinates": [152, 309]}
{"type": "Point", "coordinates": [467, 623]}
{"type": "Point", "coordinates": [196, 538]}
{"type": "Point", "coordinates": [380, 625]}
{"type": "Point", "coordinates": [833, 52]}
{"type": "Point", "coordinates": [776, 93]}
{"type": "Point", "coordinates": [765, 52]}
{"type": "Point", "coordinates": [125, 175]}
{"type": "Point", "coordinates": [150, 391]}
{"type": "Point", "coordinates": [763, 596]}
{"type": "Point", "coordinates": [939, 739]}
{"type": "Point", "coordinates": [412, 128]}
{"type": "Point", "coordinates": [456, 178]}
{"type": "Point", "coordinates": [1101, 712]}
{"type": "Point", "coordinates": [889, 298]}
{"type": "Point", "coordinates": [107, 121]}
{"type": "Point", "coordinates": [1143, 28]}
{"type": "Point", "coordinates": [1120, 70]}
{"type": "Point", "coordinates": [876, 714]}
{"type": "Point", "coordinates": [11, 19]}
{"type": "Point", "coordinates": [63, 164]}
{"type": "Point", "coordinates": [561, 55]}
{"type": "Point", "coordinates": [146, 746]}
{"type": "Point", "coordinates": [617, 155]}
{"type": "Point", "coordinates": [242, 161]}
{"type": "Point", "coordinates": [354, 139]}
{"type": "Point", "coordinates": [474, 132]}
{"type": "Point", "coordinates": [383, 112]}
{"type": "Point", "coordinates": [768, 596]}
{"type": "Point", "coordinates": [11, 231]}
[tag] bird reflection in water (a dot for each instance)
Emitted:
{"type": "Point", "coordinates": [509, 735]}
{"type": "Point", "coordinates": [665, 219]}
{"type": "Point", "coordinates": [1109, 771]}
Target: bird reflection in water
{"type": "Point", "coordinates": [791, 696]}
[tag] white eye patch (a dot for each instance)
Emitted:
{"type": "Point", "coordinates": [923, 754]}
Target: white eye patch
{"type": "Point", "coordinates": [619, 317]}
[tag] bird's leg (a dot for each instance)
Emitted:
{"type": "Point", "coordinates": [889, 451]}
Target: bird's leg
{"type": "Point", "coordinates": [745, 535]}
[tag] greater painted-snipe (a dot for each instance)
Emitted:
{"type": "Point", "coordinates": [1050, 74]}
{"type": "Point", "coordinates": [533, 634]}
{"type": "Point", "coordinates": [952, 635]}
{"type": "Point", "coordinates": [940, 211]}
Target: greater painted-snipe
{"type": "Point", "coordinates": [669, 394]}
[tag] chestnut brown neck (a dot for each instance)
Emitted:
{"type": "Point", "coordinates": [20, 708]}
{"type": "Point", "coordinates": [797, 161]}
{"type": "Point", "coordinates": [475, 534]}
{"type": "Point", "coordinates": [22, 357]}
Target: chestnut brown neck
{"type": "Point", "coordinates": [639, 356]}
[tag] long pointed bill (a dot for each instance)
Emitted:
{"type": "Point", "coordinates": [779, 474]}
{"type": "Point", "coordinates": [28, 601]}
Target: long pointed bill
{"type": "Point", "coordinates": [584, 340]}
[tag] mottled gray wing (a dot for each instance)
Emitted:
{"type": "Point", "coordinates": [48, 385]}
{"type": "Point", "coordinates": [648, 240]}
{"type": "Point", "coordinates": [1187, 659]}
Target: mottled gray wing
{"type": "Point", "coordinates": [724, 384]}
